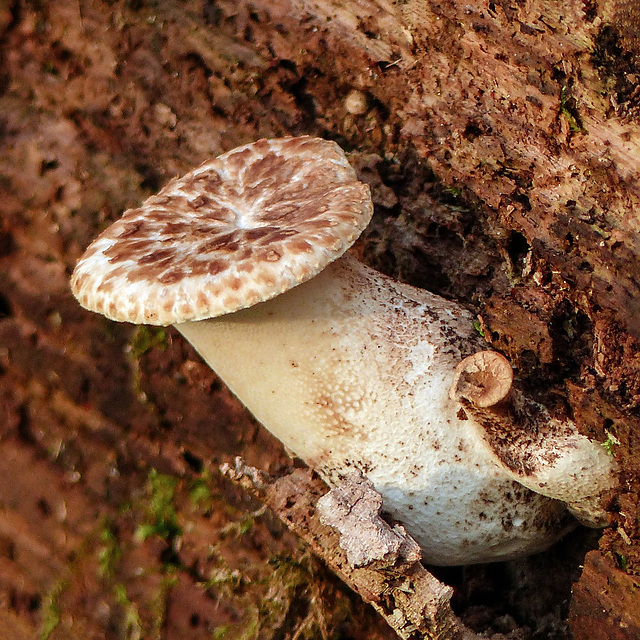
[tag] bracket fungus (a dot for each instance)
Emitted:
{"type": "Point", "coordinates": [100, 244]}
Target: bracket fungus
{"type": "Point", "coordinates": [246, 256]}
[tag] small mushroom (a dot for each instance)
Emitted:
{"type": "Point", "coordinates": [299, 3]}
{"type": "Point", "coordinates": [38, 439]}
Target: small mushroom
{"type": "Point", "coordinates": [351, 370]}
{"type": "Point", "coordinates": [483, 378]}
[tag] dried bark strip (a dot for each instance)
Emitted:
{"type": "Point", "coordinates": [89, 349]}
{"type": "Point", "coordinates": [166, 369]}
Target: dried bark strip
{"type": "Point", "coordinates": [412, 601]}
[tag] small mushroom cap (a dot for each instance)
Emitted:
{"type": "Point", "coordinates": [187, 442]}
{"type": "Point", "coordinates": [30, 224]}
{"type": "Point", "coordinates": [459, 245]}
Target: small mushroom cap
{"type": "Point", "coordinates": [242, 228]}
{"type": "Point", "coordinates": [484, 379]}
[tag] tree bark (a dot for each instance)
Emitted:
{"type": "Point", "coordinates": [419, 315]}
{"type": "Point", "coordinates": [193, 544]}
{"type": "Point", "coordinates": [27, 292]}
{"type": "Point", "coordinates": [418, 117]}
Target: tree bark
{"type": "Point", "coordinates": [501, 142]}
{"type": "Point", "coordinates": [405, 594]}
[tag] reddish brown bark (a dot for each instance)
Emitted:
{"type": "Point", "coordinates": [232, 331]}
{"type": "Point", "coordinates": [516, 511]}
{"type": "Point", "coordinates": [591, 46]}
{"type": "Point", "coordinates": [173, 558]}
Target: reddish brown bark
{"type": "Point", "coordinates": [501, 143]}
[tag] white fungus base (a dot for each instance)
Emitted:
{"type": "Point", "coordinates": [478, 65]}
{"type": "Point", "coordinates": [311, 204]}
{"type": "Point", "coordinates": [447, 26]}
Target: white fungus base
{"type": "Point", "coordinates": [352, 370]}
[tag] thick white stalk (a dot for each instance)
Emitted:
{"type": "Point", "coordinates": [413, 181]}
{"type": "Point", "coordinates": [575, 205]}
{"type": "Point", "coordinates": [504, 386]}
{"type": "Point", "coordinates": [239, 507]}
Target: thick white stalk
{"type": "Point", "coordinates": [352, 370]}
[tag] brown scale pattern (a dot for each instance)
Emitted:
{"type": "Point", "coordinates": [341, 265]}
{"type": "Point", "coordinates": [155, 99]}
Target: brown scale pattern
{"type": "Point", "coordinates": [239, 229]}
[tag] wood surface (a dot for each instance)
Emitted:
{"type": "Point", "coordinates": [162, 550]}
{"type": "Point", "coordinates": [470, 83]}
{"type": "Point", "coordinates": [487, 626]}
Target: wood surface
{"type": "Point", "coordinates": [501, 142]}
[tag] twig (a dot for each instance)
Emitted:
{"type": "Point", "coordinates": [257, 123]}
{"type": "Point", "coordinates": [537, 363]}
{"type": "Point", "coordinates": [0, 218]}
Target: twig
{"type": "Point", "coordinates": [412, 601]}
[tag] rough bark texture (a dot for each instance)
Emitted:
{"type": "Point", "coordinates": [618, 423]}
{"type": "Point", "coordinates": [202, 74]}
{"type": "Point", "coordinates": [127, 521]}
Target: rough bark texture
{"type": "Point", "coordinates": [501, 141]}
{"type": "Point", "coordinates": [406, 595]}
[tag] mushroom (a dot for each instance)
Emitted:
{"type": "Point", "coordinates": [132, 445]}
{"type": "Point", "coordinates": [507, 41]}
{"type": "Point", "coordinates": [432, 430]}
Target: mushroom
{"type": "Point", "coordinates": [483, 378]}
{"type": "Point", "coordinates": [351, 370]}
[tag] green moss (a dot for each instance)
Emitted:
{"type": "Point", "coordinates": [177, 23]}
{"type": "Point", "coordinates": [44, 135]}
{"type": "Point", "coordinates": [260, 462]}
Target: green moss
{"type": "Point", "coordinates": [162, 517]}
{"type": "Point", "coordinates": [200, 494]}
{"type": "Point", "coordinates": [147, 338]}
{"type": "Point", "coordinates": [160, 603]}
{"type": "Point", "coordinates": [223, 580]}
{"type": "Point", "coordinates": [454, 192]}
{"type": "Point", "coordinates": [478, 327]}
{"type": "Point", "coordinates": [51, 610]}
{"type": "Point", "coordinates": [132, 623]}
{"type": "Point", "coordinates": [568, 109]}
{"type": "Point", "coordinates": [610, 443]}
{"type": "Point", "coordinates": [245, 524]}
{"type": "Point", "coordinates": [110, 552]}
{"type": "Point", "coordinates": [286, 598]}
{"type": "Point", "coordinates": [621, 561]}
{"type": "Point", "coordinates": [295, 601]}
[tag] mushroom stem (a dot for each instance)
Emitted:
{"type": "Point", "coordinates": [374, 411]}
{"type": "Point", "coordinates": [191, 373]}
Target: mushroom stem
{"type": "Point", "coordinates": [548, 455]}
{"type": "Point", "coordinates": [352, 370]}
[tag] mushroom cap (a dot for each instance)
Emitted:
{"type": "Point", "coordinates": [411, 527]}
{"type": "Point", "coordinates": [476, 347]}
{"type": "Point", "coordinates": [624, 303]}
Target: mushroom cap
{"type": "Point", "coordinates": [484, 379]}
{"type": "Point", "coordinates": [242, 228]}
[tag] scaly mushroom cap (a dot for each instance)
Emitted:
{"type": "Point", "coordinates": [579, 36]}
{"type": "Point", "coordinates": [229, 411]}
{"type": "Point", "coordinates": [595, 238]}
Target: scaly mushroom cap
{"type": "Point", "coordinates": [242, 228]}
